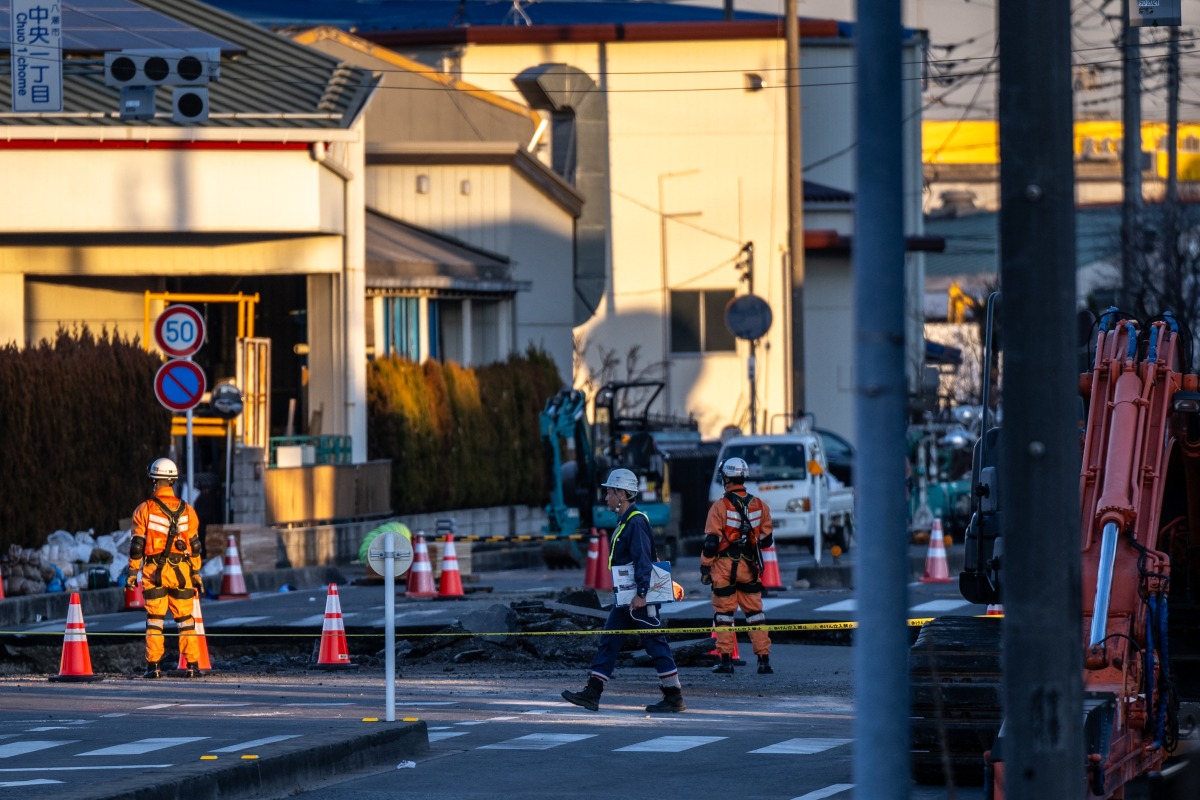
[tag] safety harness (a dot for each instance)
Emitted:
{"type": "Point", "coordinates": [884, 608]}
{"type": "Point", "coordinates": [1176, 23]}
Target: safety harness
{"type": "Point", "coordinates": [744, 548]}
{"type": "Point", "coordinates": [168, 556]}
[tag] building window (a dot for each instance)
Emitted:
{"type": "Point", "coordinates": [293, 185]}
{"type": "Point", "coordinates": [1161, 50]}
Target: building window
{"type": "Point", "coordinates": [698, 322]}
{"type": "Point", "coordinates": [401, 327]}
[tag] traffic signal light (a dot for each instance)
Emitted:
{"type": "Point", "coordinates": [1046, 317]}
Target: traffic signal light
{"type": "Point", "coordinates": [138, 72]}
{"type": "Point", "coordinates": [162, 67]}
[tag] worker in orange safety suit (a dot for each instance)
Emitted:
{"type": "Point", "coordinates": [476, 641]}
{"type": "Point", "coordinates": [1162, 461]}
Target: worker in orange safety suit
{"type": "Point", "coordinates": [738, 525]}
{"type": "Point", "coordinates": [165, 547]}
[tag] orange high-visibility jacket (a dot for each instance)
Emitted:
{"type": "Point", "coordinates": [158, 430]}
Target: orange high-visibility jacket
{"type": "Point", "coordinates": [725, 521]}
{"type": "Point", "coordinates": [150, 522]}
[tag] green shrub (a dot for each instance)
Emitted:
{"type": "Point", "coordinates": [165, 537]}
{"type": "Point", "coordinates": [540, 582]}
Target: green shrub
{"type": "Point", "coordinates": [78, 425]}
{"type": "Point", "coordinates": [461, 437]}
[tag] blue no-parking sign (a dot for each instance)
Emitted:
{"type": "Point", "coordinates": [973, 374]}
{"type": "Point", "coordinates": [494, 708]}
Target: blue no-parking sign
{"type": "Point", "coordinates": [179, 385]}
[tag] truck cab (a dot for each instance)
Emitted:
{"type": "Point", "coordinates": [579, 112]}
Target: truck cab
{"type": "Point", "coordinates": [790, 472]}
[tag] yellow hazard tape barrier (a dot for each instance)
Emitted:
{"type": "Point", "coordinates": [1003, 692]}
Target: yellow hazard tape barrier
{"type": "Point", "coordinates": [793, 626]}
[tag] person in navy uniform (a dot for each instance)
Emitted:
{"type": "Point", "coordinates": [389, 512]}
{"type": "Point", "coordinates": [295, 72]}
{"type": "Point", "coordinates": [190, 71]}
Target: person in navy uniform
{"type": "Point", "coordinates": [632, 543]}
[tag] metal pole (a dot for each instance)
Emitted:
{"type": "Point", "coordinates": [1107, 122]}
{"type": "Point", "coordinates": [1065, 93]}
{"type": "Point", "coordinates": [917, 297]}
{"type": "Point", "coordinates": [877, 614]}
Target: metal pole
{"type": "Point", "coordinates": [389, 625]}
{"type": "Point", "coordinates": [191, 459]}
{"type": "Point", "coordinates": [795, 179]}
{"type": "Point", "coordinates": [881, 757]}
{"type": "Point", "coordinates": [1131, 158]}
{"type": "Point", "coordinates": [1043, 746]}
{"type": "Point", "coordinates": [228, 468]}
{"type": "Point", "coordinates": [750, 367]}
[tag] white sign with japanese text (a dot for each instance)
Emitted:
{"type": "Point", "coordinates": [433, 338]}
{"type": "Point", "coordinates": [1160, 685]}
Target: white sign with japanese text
{"type": "Point", "coordinates": [36, 27]}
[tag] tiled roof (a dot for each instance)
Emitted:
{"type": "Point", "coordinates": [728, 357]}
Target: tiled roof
{"type": "Point", "coordinates": [272, 83]}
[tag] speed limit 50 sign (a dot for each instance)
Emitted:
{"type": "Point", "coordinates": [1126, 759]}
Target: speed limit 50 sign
{"type": "Point", "coordinates": [179, 331]}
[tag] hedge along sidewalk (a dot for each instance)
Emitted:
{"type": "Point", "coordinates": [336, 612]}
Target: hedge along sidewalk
{"type": "Point", "coordinates": [32, 608]}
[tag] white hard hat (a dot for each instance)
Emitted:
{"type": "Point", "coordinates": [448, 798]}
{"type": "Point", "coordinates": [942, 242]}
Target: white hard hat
{"type": "Point", "coordinates": [163, 469]}
{"type": "Point", "coordinates": [735, 469]}
{"type": "Point", "coordinates": [621, 479]}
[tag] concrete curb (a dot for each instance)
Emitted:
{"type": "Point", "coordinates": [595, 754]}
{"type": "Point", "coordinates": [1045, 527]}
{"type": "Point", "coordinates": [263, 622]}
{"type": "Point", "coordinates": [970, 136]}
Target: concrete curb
{"type": "Point", "coordinates": [302, 768]}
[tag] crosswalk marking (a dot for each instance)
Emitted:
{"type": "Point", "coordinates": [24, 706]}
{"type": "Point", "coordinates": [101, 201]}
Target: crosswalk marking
{"type": "Point", "coordinates": [828, 791]}
{"type": "Point", "coordinates": [143, 746]}
{"type": "Point", "coordinates": [669, 744]}
{"type": "Point", "coordinates": [90, 767]}
{"type": "Point", "coordinates": [538, 741]}
{"type": "Point", "coordinates": [35, 782]}
{"type": "Point", "coordinates": [233, 622]}
{"type": "Point", "coordinates": [802, 747]}
{"type": "Point", "coordinates": [32, 746]}
{"type": "Point", "coordinates": [233, 748]}
{"type": "Point", "coordinates": [940, 605]}
{"type": "Point", "coordinates": [437, 736]}
{"type": "Point", "coordinates": [841, 605]}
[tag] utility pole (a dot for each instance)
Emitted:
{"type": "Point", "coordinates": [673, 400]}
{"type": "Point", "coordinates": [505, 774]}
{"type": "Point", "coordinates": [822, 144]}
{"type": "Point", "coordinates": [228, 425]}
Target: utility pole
{"type": "Point", "coordinates": [1041, 741]}
{"type": "Point", "coordinates": [795, 189]}
{"type": "Point", "coordinates": [1131, 159]}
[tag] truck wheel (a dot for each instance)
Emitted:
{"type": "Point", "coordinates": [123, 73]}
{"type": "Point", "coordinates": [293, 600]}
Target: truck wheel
{"type": "Point", "coordinates": [843, 536]}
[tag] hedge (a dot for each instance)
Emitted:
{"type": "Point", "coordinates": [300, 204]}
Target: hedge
{"type": "Point", "coordinates": [78, 425]}
{"type": "Point", "coordinates": [461, 437]}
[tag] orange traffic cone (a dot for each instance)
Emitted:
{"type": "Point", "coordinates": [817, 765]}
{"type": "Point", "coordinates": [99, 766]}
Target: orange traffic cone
{"type": "Point", "coordinates": [420, 574]}
{"type": "Point", "coordinates": [737, 659]}
{"type": "Point", "coordinates": [233, 583]}
{"type": "Point", "coordinates": [134, 598]}
{"type": "Point", "coordinates": [201, 639]}
{"type": "Point", "coordinates": [334, 652]}
{"type": "Point", "coordinates": [593, 561]}
{"type": "Point", "coordinates": [76, 663]}
{"type": "Point", "coordinates": [603, 578]}
{"type": "Point", "coordinates": [995, 610]}
{"type": "Point", "coordinates": [936, 568]}
{"type": "Point", "coordinates": [451, 583]}
{"type": "Point", "coordinates": [771, 579]}
{"type": "Point", "coordinates": [1, 585]}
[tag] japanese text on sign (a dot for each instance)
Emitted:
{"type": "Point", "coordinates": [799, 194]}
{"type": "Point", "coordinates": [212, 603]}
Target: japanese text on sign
{"type": "Point", "coordinates": [36, 27]}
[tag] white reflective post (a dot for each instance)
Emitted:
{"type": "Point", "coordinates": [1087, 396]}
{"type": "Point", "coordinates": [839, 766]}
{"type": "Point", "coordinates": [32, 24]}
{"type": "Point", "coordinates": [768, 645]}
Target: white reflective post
{"type": "Point", "coordinates": [389, 624]}
{"type": "Point", "coordinates": [191, 460]}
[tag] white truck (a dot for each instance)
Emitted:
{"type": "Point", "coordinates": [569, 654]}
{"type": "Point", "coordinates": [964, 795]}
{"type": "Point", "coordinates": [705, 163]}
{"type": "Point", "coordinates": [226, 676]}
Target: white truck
{"type": "Point", "coordinates": [790, 473]}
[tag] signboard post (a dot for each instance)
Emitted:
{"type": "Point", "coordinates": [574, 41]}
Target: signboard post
{"type": "Point", "coordinates": [748, 317]}
{"type": "Point", "coordinates": [385, 563]}
{"type": "Point", "coordinates": [36, 55]}
{"type": "Point", "coordinates": [227, 403]}
{"type": "Point", "coordinates": [179, 384]}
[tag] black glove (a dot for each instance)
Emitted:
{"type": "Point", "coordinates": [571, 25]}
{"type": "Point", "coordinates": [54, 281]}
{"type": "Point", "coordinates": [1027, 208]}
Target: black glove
{"type": "Point", "coordinates": [197, 584]}
{"type": "Point", "coordinates": [766, 542]}
{"type": "Point", "coordinates": [131, 581]}
{"type": "Point", "coordinates": [706, 576]}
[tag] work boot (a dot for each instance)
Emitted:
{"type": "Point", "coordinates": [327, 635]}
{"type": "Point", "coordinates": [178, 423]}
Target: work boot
{"type": "Point", "coordinates": [672, 701]}
{"type": "Point", "coordinates": [152, 671]}
{"type": "Point", "coordinates": [589, 697]}
{"type": "Point", "coordinates": [191, 671]}
{"type": "Point", "coordinates": [726, 665]}
{"type": "Point", "coordinates": [764, 665]}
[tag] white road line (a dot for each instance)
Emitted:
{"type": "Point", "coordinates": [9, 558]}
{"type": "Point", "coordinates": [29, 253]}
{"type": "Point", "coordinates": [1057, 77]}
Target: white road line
{"type": "Point", "coordinates": [231, 622]}
{"type": "Point", "coordinates": [322, 705]}
{"type": "Point", "coordinates": [940, 605]}
{"type": "Point", "coordinates": [828, 791]}
{"type": "Point", "coordinates": [157, 706]}
{"type": "Point", "coordinates": [841, 605]}
{"type": "Point", "coordinates": [437, 736]}
{"type": "Point", "coordinates": [803, 747]}
{"type": "Point", "coordinates": [88, 767]}
{"type": "Point", "coordinates": [35, 782]}
{"type": "Point", "coordinates": [143, 746]}
{"type": "Point", "coordinates": [210, 705]}
{"type": "Point", "coordinates": [233, 748]}
{"type": "Point", "coordinates": [45, 728]}
{"type": "Point", "coordinates": [21, 748]}
{"type": "Point", "coordinates": [669, 744]}
{"type": "Point", "coordinates": [538, 741]}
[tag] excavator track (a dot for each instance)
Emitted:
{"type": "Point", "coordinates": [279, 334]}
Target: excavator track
{"type": "Point", "coordinates": [954, 670]}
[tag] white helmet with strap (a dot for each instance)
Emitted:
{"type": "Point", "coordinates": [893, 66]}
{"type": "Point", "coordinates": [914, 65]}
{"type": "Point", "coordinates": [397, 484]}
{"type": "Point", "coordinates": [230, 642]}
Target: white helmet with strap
{"type": "Point", "coordinates": [621, 478]}
{"type": "Point", "coordinates": [163, 469]}
{"type": "Point", "coordinates": [735, 469]}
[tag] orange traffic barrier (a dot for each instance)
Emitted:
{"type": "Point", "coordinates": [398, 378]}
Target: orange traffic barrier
{"type": "Point", "coordinates": [335, 652]}
{"type": "Point", "coordinates": [233, 583]}
{"type": "Point", "coordinates": [603, 573]}
{"type": "Point", "coordinates": [937, 570]}
{"type": "Point", "coordinates": [593, 561]}
{"type": "Point", "coordinates": [134, 598]}
{"type": "Point", "coordinates": [450, 584]}
{"type": "Point", "coordinates": [76, 663]}
{"type": "Point", "coordinates": [771, 579]}
{"type": "Point", "coordinates": [201, 640]}
{"type": "Point", "coordinates": [1, 585]}
{"type": "Point", "coordinates": [420, 574]}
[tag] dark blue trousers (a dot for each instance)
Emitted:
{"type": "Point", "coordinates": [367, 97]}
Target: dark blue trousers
{"type": "Point", "coordinates": [619, 619]}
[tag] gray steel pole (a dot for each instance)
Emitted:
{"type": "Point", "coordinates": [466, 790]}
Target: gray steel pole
{"type": "Point", "coordinates": [881, 755]}
{"type": "Point", "coordinates": [795, 272]}
{"type": "Point", "coordinates": [1042, 743]}
{"type": "Point", "coordinates": [1131, 159]}
{"type": "Point", "coordinates": [389, 625]}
